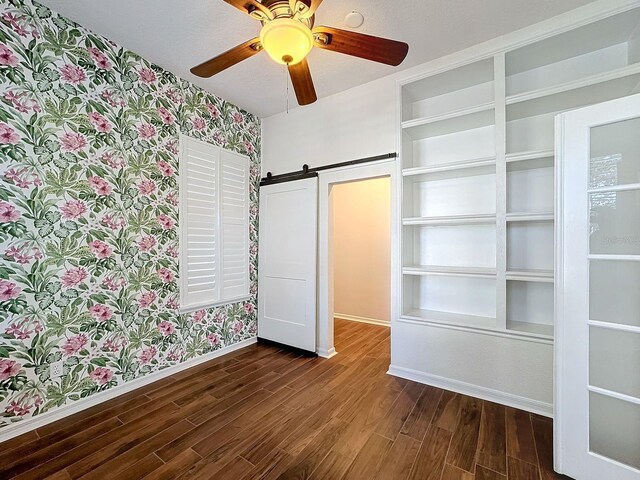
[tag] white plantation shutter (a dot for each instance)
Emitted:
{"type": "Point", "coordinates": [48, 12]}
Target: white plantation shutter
{"type": "Point", "coordinates": [214, 222]}
{"type": "Point", "coordinates": [234, 199]}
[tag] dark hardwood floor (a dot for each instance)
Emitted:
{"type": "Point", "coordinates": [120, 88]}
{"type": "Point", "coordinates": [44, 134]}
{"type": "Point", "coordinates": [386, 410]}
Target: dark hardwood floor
{"type": "Point", "coordinates": [261, 413]}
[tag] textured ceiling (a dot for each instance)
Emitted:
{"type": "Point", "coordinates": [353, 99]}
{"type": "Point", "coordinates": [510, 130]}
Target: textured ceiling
{"type": "Point", "coordinates": [180, 34]}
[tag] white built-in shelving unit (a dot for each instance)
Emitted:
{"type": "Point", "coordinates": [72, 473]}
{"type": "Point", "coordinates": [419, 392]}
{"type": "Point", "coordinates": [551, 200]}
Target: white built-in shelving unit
{"type": "Point", "coordinates": [478, 169]}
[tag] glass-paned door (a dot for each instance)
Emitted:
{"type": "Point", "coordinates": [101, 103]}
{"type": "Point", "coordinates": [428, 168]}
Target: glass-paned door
{"type": "Point", "coordinates": [598, 345]}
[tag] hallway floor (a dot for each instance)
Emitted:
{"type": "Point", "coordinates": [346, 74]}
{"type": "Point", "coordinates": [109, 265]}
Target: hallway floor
{"type": "Point", "coordinates": [261, 413]}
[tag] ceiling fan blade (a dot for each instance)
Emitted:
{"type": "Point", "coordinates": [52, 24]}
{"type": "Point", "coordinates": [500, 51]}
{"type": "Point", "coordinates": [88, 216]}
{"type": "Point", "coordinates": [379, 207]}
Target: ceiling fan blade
{"type": "Point", "coordinates": [312, 7]}
{"type": "Point", "coordinates": [303, 83]}
{"type": "Point", "coordinates": [227, 59]}
{"type": "Point", "coordinates": [381, 50]}
{"type": "Point", "coordinates": [252, 7]}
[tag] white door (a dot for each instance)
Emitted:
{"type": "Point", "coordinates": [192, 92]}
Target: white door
{"type": "Point", "coordinates": [287, 263]}
{"type": "Point", "coordinates": [598, 293]}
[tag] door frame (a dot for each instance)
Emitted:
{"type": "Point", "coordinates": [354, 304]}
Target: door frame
{"type": "Point", "coordinates": [326, 179]}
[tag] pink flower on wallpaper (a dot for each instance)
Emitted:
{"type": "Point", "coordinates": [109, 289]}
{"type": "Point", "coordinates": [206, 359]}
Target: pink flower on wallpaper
{"type": "Point", "coordinates": [165, 116]}
{"type": "Point", "coordinates": [173, 303]}
{"type": "Point", "coordinates": [100, 123]}
{"type": "Point", "coordinates": [198, 316]}
{"type": "Point", "coordinates": [74, 344]}
{"type": "Point", "coordinates": [100, 186]}
{"type": "Point", "coordinates": [110, 220]}
{"type": "Point", "coordinates": [113, 161]}
{"type": "Point", "coordinates": [73, 142]}
{"type": "Point", "coordinates": [99, 58]}
{"type": "Point", "coordinates": [101, 375]}
{"type": "Point", "coordinates": [147, 355]}
{"type": "Point", "coordinates": [172, 198]}
{"type": "Point", "coordinates": [165, 221]}
{"type": "Point", "coordinates": [146, 130]}
{"type": "Point", "coordinates": [237, 117]}
{"type": "Point", "coordinates": [111, 345]}
{"type": "Point", "coordinates": [146, 299]}
{"type": "Point", "coordinates": [18, 255]}
{"type": "Point", "coordinates": [166, 169]}
{"type": "Point", "coordinates": [214, 339]}
{"type": "Point", "coordinates": [147, 75]}
{"type": "Point", "coordinates": [219, 316]}
{"type": "Point", "coordinates": [172, 252]}
{"type": "Point", "coordinates": [112, 283]}
{"type": "Point", "coordinates": [17, 409]}
{"type": "Point", "coordinates": [174, 96]}
{"type": "Point", "coordinates": [248, 147]}
{"type": "Point", "coordinates": [249, 308]}
{"type": "Point", "coordinates": [74, 277]}
{"type": "Point", "coordinates": [147, 187]}
{"type": "Point", "coordinates": [8, 135]}
{"type": "Point", "coordinates": [72, 74]}
{"type": "Point", "coordinates": [213, 110]}
{"type": "Point", "coordinates": [199, 123]}
{"type": "Point", "coordinates": [147, 242]}
{"type": "Point", "coordinates": [100, 249]}
{"type": "Point", "coordinates": [73, 209]}
{"type": "Point", "coordinates": [237, 326]}
{"type": "Point", "coordinates": [8, 368]}
{"type": "Point", "coordinates": [9, 290]}
{"type": "Point", "coordinates": [166, 275]}
{"type": "Point", "coordinates": [7, 57]}
{"type": "Point", "coordinates": [8, 212]}
{"type": "Point", "coordinates": [166, 328]}
{"type": "Point", "coordinates": [100, 312]}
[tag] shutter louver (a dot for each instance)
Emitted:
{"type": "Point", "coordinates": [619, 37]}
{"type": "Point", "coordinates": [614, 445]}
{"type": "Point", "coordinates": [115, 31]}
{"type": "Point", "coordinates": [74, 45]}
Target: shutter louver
{"type": "Point", "coordinates": [234, 198]}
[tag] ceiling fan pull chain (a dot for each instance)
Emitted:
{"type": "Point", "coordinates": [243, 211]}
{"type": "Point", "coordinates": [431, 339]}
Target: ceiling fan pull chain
{"type": "Point", "coordinates": [286, 79]}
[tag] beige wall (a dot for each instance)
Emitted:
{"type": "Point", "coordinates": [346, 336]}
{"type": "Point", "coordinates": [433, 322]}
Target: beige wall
{"type": "Point", "coordinates": [361, 249]}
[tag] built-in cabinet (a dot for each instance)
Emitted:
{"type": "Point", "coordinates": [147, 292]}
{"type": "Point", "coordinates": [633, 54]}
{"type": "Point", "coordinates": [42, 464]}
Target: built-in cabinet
{"type": "Point", "coordinates": [478, 163]}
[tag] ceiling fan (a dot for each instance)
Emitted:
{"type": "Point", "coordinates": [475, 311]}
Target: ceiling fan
{"type": "Point", "coordinates": [288, 35]}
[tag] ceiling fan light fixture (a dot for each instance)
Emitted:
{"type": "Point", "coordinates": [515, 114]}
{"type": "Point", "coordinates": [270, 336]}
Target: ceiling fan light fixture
{"type": "Point", "coordinates": [287, 41]}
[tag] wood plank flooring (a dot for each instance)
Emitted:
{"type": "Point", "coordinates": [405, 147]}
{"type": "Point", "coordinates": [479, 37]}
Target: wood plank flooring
{"type": "Point", "coordinates": [262, 413]}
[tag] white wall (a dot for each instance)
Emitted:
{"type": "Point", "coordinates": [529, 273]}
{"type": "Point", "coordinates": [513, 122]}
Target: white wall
{"type": "Point", "coordinates": [353, 124]}
{"type": "Point", "coordinates": [361, 249]}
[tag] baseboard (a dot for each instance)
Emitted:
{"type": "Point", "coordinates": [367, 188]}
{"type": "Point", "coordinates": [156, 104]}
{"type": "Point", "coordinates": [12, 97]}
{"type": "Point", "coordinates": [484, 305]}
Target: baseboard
{"type": "Point", "coordinates": [67, 410]}
{"type": "Point", "coordinates": [324, 353]}
{"type": "Point", "coordinates": [509, 399]}
{"type": "Point", "coordinates": [354, 318]}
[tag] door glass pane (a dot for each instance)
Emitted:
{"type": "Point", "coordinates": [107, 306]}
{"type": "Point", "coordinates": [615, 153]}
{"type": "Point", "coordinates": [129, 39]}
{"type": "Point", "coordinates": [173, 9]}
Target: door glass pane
{"type": "Point", "coordinates": [615, 223]}
{"type": "Point", "coordinates": [615, 154]}
{"type": "Point", "coordinates": [614, 361]}
{"type": "Point", "coordinates": [614, 429]}
{"type": "Point", "coordinates": [615, 292]}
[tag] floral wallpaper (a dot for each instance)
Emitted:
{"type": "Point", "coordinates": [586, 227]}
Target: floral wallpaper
{"type": "Point", "coordinates": [89, 213]}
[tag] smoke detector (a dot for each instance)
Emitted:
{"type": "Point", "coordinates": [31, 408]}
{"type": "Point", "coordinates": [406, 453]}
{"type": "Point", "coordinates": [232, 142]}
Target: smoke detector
{"type": "Point", "coordinates": [354, 19]}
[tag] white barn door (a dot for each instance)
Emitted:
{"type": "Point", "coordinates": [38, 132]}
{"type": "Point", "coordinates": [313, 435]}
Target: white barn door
{"type": "Point", "coordinates": [287, 263]}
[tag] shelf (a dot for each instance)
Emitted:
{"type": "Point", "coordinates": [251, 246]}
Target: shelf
{"type": "Point", "coordinates": [576, 84]}
{"type": "Point", "coordinates": [570, 99]}
{"type": "Point", "coordinates": [463, 112]}
{"type": "Point", "coordinates": [450, 318]}
{"type": "Point", "coordinates": [530, 217]}
{"type": "Point", "coordinates": [448, 167]}
{"type": "Point", "coordinates": [458, 121]}
{"type": "Point", "coordinates": [537, 329]}
{"type": "Point", "coordinates": [531, 155]}
{"type": "Point", "coordinates": [543, 276]}
{"type": "Point", "coordinates": [452, 220]}
{"type": "Point", "coordinates": [432, 270]}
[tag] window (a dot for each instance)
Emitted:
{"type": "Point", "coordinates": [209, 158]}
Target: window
{"type": "Point", "coordinates": [214, 225]}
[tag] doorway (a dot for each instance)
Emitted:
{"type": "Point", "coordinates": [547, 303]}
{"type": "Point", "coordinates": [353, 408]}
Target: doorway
{"type": "Point", "coordinates": [335, 187]}
{"type": "Point", "coordinates": [361, 240]}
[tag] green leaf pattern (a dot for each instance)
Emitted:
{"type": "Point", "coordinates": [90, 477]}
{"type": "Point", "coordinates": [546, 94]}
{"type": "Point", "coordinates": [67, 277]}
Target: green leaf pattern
{"type": "Point", "coordinates": [89, 137]}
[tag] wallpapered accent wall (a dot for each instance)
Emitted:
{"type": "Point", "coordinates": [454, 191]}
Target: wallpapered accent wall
{"type": "Point", "coordinates": [89, 213]}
